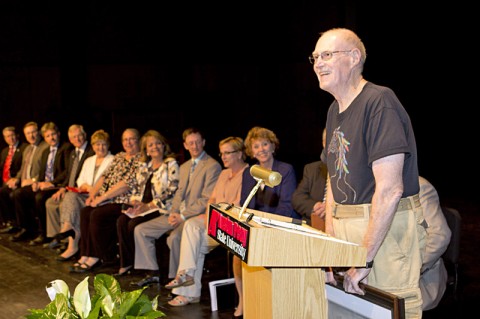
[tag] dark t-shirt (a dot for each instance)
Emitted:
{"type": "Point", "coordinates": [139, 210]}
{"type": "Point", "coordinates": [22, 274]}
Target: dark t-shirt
{"type": "Point", "coordinates": [375, 125]}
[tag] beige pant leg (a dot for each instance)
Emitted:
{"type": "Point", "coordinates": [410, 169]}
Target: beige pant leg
{"type": "Point", "coordinates": [53, 217]}
{"type": "Point", "coordinates": [399, 259]}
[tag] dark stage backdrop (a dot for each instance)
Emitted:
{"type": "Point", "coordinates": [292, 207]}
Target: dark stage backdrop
{"type": "Point", "coordinates": [227, 66]}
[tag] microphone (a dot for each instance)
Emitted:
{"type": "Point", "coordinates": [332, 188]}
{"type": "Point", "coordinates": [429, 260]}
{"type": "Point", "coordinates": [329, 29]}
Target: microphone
{"type": "Point", "coordinates": [270, 178]}
{"type": "Point", "coordinates": [261, 175]}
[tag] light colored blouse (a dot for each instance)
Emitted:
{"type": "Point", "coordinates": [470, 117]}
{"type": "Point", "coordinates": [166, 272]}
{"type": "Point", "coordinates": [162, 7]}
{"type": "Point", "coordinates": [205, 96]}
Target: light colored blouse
{"type": "Point", "coordinates": [228, 187]}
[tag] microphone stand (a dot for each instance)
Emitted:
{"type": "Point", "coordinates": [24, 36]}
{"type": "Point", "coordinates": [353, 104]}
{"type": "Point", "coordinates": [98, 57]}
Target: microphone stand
{"type": "Point", "coordinates": [250, 196]}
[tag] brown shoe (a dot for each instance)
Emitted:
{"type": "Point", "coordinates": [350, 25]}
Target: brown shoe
{"type": "Point", "coordinates": [40, 240]}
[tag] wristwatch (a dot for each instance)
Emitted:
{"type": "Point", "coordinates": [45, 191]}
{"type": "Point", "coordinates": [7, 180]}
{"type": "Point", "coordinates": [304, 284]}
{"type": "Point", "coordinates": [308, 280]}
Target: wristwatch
{"type": "Point", "coordinates": [369, 264]}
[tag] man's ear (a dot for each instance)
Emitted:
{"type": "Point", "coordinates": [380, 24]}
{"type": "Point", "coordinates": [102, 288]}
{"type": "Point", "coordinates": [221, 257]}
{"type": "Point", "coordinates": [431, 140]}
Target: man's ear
{"type": "Point", "coordinates": [357, 56]}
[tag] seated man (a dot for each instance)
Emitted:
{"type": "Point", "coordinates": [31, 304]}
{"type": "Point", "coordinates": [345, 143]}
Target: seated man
{"type": "Point", "coordinates": [10, 164]}
{"type": "Point", "coordinates": [198, 176]}
{"type": "Point", "coordinates": [433, 278]}
{"type": "Point", "coordinates": [30, 200]}
{"type": "Point", "coordinates": [309, 197]}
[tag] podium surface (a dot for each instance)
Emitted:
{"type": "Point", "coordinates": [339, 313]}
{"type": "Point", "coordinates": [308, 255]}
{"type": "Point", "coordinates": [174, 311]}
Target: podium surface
{"type": "Point", "coordinates": [282, 270]}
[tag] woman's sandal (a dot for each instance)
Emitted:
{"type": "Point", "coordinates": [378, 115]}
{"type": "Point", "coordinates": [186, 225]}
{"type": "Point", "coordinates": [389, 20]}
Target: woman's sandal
{"type": "Point", "coordinates": [82, 268]}
{"type": "Point", "coordinates": [179, 301]}
{"type": "Point", "coordinates": [183, 280]}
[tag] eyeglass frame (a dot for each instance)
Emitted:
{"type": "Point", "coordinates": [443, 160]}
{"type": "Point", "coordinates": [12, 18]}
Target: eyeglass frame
{"type": "Point", "coordinates": [324, 54]}
{"type": "Point", "coordinates": [226, 153]}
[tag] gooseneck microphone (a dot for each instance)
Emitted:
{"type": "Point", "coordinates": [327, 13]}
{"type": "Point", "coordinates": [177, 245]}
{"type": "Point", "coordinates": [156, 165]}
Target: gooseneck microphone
{"type": "Point", "coordinates": [270, 178]}
{"type": "Point", "coordinates": [262, 176]}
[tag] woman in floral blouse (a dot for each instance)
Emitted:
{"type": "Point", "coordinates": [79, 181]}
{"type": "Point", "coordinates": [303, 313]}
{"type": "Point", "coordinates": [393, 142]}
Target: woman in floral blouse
{"type": "Point", "coordinates": [104, 205]}
{"type": "Point", "coordinates": [157, 182]}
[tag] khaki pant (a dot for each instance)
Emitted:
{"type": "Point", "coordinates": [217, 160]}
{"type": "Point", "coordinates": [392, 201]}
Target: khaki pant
{"type": "Point", "coordinates": [399, 259]}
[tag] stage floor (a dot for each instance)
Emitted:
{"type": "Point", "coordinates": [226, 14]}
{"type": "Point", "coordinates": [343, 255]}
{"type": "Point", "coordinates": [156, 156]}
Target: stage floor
{"type": "Point", "coordinates": [25, 271]}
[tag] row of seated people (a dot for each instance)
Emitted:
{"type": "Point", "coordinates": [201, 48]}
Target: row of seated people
{"type": "Point", "coordinates": [138, 195]}
{"type": "Point", "coordinates": [42, 171]}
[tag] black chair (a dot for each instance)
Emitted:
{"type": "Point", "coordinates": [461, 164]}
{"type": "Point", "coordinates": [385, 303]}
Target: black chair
{"type": "Point", "coordinates": [452, 254]}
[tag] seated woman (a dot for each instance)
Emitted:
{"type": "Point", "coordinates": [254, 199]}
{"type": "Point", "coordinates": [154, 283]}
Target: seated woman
{"type": "Point", "coordinates": [157, 182]}
{"type": "Point", "coordinates": [195, 242]}
{"type": "Point", "coordinates": [104, 206]}
{"type": "Point", "coordinates": [261, 144]}
{"type": "Point", "coordinates": [73, 202]}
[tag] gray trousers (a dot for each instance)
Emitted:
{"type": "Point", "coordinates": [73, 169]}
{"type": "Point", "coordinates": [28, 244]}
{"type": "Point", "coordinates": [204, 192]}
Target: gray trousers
{"type": "Point", "coordinates": [145, 235]}
{"type": "Point", "coordinates": [65, 210]}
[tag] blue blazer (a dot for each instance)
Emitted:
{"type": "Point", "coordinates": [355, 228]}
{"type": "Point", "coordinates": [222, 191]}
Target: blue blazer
{"type": "Point", "coordinates": [276, 200]}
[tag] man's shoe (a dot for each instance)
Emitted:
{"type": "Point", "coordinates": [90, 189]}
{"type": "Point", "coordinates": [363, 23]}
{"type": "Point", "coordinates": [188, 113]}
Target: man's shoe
{"type": "Point", "coordinates": [21, 235]}
{"type": "Point", "coordinates": [9, 230]}
{"type": "Point", "coordinates": [52, 245]}
{"type": "Point", "coordinates": [40, 240]}
{"type": "Point", "coordinates": [148, 280]}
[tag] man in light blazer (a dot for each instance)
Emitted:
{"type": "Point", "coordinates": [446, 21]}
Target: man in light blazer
{"type": "Point", "coordinates": [197, 180]}
{"type": "Point", "coordinates": [28, 173]}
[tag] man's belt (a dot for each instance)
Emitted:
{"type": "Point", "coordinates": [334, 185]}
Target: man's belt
{"type": "Point", "coordinates": [363, 210]}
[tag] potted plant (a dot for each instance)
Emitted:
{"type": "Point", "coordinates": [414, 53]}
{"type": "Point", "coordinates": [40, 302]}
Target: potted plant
{"type": "Point", "coordinates": [108, 301]}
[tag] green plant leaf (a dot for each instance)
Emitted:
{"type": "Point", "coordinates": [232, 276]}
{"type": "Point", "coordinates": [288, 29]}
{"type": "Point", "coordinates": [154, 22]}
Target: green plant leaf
{"type": "Point", "coordinates": [108, 301]}
{"type": "Point", "coordinates": [59, 308]}
{"type": "Point", "coordinates": [81, 299]}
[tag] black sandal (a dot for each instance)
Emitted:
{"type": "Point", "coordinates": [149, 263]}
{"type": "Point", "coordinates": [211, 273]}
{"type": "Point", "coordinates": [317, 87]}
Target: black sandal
{"type": "Point", "coordinates": [82, 268]}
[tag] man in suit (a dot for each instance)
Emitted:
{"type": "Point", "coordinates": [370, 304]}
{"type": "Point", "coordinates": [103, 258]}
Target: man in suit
{"type": "Point", "coordinates": [30, 200]}
{"type": "Point", "coordinates": [10, 163]}
{"type": "Point", "coordinates": [78, 138]}
{"type": "Point", "coordinates": [197, 180]}
{"type": "Point", "coordinates": [29, 171]}
{"type": "Point", "coordinates": [309, 197]}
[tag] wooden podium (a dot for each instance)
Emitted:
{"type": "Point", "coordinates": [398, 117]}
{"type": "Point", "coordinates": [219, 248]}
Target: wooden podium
{"type": "Point", "coordinates": [282, 269]}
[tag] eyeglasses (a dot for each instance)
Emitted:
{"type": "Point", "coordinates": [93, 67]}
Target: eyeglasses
{"type": "Point", "coordinates": [226, 153]}
{"type": "Point", "coordinates": [325, 55]}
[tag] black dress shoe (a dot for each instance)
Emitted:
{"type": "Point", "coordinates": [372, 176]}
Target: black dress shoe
{"type": "Point", "coordinates": [61, 236]}
{"type": "Point", "coordinates": [20, 235]}
{"type": "Point", "coordinates": [123, 273]}
{"type": "Point", "coordinates": [61, 258]}
{"type": "Point", "coordinates": [9, 230]}
{"type": "Point", "coordinates": [148, 280]}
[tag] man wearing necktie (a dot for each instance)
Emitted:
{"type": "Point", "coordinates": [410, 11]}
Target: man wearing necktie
{"type": "Point", "coordinates": [82, 149]}
{"type": "Point", "coordinates": [197, 180]}
{"type": "Point", "coordinates": [30, 200]}
{"type": "Point", "coordinates": [10, 162]}
{"type": "Point", "coordinates": [29, 172]}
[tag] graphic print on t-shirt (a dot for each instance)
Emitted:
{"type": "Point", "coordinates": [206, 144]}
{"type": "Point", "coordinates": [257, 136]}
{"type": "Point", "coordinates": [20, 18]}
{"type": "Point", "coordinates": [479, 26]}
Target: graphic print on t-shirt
{"type": "Point", "coordinates": [339, 146]}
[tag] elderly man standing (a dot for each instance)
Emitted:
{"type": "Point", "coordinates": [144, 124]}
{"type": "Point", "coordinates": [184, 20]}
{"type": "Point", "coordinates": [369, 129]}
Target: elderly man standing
{"type": "Point", "coordinates": [371, 155]}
